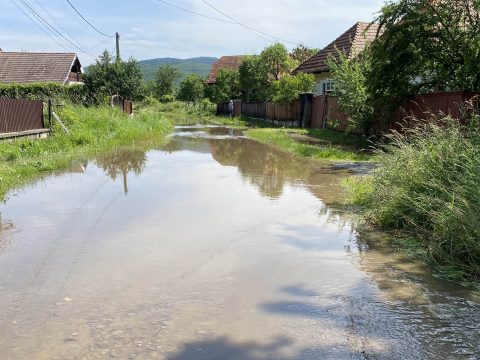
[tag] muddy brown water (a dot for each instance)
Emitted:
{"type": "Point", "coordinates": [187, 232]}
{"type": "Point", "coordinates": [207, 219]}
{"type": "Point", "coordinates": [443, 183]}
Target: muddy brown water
{"type": "Point", "coordinates": [213, 247]}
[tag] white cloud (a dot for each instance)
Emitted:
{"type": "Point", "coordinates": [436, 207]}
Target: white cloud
{"type": "Point", "coordinates": [149, 28]}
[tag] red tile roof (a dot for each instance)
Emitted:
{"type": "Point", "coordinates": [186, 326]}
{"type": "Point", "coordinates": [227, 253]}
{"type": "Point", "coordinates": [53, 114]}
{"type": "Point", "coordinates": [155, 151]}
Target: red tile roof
{"type": "Point", "coordinates": [24, 67]}
{"type": "Point", "coordinates": [225, 62]}
{"type": "Point", "coordinates": [351, 43]}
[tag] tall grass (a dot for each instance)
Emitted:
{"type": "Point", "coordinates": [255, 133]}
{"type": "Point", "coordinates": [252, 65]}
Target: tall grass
{"type": "Point", "coordinates": [92, 130]}
{"type": "Point", "coordinates": [428, 186]}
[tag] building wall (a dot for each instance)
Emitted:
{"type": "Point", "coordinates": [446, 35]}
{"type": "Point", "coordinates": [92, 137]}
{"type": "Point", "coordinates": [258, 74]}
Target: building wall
{"type": "Point", "coordinates": [320, 79]}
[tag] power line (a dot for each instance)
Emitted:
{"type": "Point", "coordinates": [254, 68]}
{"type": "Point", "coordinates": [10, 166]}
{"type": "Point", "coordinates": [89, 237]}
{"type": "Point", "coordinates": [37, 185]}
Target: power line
{"type": "Point", "coordinates": [196, 13]}
{"type": "Point", "coordinates": [41, 29]}
{"type": "Point", "coordinates": [246, 26]}
{"type": "Point", "coordinates": [212, 18]}
{"type": "Point", "coordinates": [53, 18]}
{"type": "Point", "coordinates": [88, 22]}
{"type": "Point", "coordinates": [59, 25]}
{"type": "Point", "coordinates": [41, 19]}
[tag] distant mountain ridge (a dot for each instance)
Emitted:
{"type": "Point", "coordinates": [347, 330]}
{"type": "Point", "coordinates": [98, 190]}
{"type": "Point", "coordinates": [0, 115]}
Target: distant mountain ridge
{"type": "Point", "coordinates": [198, 65]}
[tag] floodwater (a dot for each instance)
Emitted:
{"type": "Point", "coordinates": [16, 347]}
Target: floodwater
{"type": "Point", "coordinates": [213, 248]}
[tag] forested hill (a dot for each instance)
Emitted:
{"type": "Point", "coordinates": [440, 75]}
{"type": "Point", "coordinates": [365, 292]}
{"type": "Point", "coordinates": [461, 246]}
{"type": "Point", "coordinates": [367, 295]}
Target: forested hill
{"type": "Point", "coordinates": [198, 65]}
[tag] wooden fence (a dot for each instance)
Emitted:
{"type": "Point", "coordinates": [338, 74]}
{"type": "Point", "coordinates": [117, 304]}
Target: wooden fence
{"type": "Point", "coordinates": [324, 111]}
{"type": "Point", "coordinates": [255, 109]}
{"type": "Point", "coordinates": [20, 115]}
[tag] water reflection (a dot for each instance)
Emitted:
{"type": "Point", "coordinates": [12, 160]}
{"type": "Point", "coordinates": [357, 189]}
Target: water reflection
{"type": "Point", "coordinates": [121, 162]}
{"type": "Point", "coordinates": [200, 263]}
{"type": "Point", "coordinates": [268, 169]}
{"type": "Point", "coordinates": [5, 227]}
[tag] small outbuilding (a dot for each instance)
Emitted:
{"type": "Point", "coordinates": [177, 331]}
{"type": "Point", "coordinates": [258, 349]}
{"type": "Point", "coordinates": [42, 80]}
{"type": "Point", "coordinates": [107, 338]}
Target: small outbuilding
{"type": "Point", "coordinates": [31, 67]}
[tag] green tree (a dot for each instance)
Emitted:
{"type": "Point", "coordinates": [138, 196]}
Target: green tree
{"type": "Point", "coordinates": [289, 87]}
{"type": "Point", "coordinates": [426, 46]}
{"type": "Point", "coordinates": [253, 78]}
{"type": "Point", "coordinates": [226, 88]}
{"type": "Point", "coordinates": [259, 72]}
{"type": "Point", "coordinates": [164, 80]}
{"type": "Point", "coordinates": [351, 87]}
{"type": "Point", "coordinates": [276, 61]}
{"type": "Point", "coordinates": [191, 88]}
{"type": "Point", "coordinates": [302, 53]}
{"type": "Point", "coordinates": [108, 77]}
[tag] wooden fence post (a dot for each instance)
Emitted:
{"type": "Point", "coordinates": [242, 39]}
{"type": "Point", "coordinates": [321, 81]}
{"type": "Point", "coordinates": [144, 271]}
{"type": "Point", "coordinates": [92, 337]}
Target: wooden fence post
{"type": "Point", "coordinates": [306, 101]}
{"type": "Point", "coordinates": [325, 113]}
{"type": "Point", "coordinates": [237, 108]}
{"type": "Point", "coordinates": [50, 124]}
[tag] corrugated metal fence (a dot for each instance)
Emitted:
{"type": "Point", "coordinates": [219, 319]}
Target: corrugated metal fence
{"type": "Point", "coordinates": [420, 107]}
{"type": "Point", "coordinates": [17, 115]}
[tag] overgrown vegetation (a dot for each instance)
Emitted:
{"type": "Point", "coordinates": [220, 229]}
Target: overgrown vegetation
{"type": "Point", "coordinates": [427, 188]}
{"type": "Point", "coordinates": [351, 86]}
{"type": "Point", "coordinates": [93, 130]}
{"type": "Point", "coordinates": [423, 47]}
{"type": "Point", "coordinates": [426, 46]}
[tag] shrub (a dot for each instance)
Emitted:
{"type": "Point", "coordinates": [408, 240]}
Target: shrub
{"type": "Point", "coordinates": [167, 98]}
{"type": "Point", "coordinates": [428, 186]}
{"type": "Point", "coordinates": [43, 91]}
{"type": "Point", "coordinates": [289, 87]}
{"type": "Point", "coordinates": [351, 78]}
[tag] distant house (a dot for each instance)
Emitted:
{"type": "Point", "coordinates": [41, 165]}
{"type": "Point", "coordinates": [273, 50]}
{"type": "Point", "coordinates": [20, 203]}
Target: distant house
{"type": "Point", "coordinates": [26, 67]}
{"type": "Point", "coordinates": [225, 62]}
{"type": "Point", "coordinates": [351, 43]}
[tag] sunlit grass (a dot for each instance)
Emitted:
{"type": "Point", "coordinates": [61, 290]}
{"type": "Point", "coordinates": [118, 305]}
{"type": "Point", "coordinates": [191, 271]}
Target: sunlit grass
{"type": "Point", "coordinates": [92, 130]}
{"type": "Point", "coordinates": [282, 138]}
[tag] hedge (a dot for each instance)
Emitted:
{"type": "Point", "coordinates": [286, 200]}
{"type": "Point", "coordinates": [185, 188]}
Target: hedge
{"type": "Point", "coordinates": [44, 91]}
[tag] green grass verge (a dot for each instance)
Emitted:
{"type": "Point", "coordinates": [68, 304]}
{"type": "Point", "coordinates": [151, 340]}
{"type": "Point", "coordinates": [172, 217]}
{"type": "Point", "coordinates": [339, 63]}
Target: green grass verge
{"type": "Point", "coordinates": [334, 151]}
{"type": "Point", "coordinates": [92, 130]}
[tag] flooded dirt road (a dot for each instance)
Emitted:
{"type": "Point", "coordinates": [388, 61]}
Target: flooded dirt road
{"type": "Point", "coordinates": [213, 248]}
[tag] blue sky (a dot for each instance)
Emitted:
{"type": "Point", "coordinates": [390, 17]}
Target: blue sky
{"type": "Point", "coordinates": [151, 29]}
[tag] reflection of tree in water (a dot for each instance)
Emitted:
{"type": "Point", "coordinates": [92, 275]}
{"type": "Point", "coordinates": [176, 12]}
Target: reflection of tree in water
{"type": "Point", "coordinates": [4, 226]}
{"type": "Point", "coordinates": [121, 162]}
{"type": "Point", "coordinates": [266, 168]}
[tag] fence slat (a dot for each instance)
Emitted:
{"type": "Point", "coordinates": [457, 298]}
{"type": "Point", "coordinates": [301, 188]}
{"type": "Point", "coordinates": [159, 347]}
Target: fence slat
{"type": "Point", "coordinates": [18, 115]}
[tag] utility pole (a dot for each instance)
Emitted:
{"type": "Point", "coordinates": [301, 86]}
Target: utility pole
{"type": "Point", "coordinates": [117, 36]}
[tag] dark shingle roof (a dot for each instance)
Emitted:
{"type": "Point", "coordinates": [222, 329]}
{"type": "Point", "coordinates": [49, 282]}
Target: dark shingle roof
{"type": "Point", "coordinates": [225, 62]}
{"type": "Point", "coordinates": [351, 43]}
{"type": "Point", "coordinates": [24, 67]}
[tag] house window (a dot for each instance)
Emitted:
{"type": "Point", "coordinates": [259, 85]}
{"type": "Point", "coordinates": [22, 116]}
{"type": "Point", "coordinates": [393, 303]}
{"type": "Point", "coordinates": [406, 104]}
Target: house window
{"type": "Point", "coordinates": [327, 86]}
{"type": "Point", "coordinates": [324, 86]}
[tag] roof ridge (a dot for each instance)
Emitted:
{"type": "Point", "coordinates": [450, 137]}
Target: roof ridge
{"type": "Point", "coordinates": [37, 52]}
{"type": "Point", "coordinates": [348, 42]}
